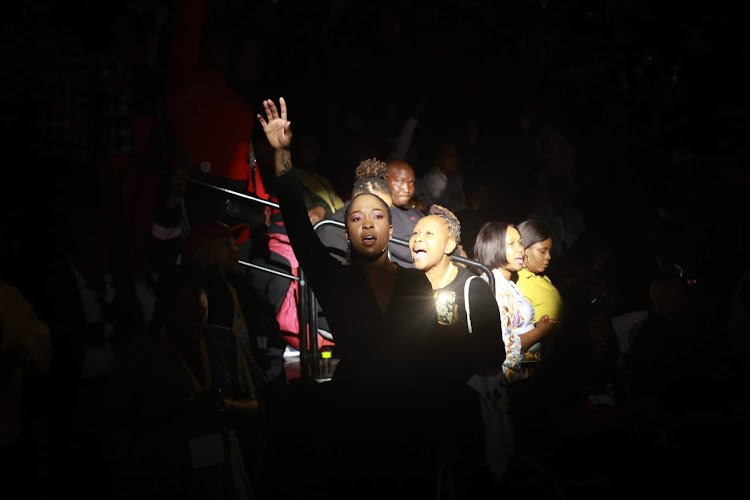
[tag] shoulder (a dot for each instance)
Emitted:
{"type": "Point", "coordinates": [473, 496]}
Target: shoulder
{"type": "Point", "coordinates": [413, 277]}
{"type": "Point", "coordinates": [405, 219]}
{"type": "Point", "coordinates": [525, 274]}
{"type": "Point", "coordinates": [502, 285]}
{"type": "Point", "coordinates": [534, 282]}
{"type": "Point", "coordinates": [476, 283]}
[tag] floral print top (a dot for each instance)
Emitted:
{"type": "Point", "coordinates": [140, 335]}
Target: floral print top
{"type": "Point", "coordinates": [517, 318]}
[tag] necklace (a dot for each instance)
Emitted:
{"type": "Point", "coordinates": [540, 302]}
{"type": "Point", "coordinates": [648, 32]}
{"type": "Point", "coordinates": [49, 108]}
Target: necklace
{"type": "Point", "coordinates": [445, 280]}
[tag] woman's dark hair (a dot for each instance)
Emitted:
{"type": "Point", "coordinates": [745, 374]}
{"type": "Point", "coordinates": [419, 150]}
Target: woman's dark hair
{"type": "Point", "coordinates": [371, 178]}
{"type": "Point", "coordinates": [533, 231]}
{"type": "Point", "coordinates": [490, 247]}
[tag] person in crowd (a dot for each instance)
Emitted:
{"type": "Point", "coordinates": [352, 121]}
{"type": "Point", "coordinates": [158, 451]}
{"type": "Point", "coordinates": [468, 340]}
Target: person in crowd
{"type": "Point", "coordinates": [404, 146]}
{"type": "Point", "coordinates": [381, 314]}
{"type": "Point", "coordinates": [534, 283]}
{"type": "Point", "coordinates": [558, 209]}
{"type": "Point", "coordinates": [582, 421]}
{"type": "Point", "coordinates": [212, 248]}
{"type": "Point", "coordinates": [499, 247]}
{"type": "Point", "coordinates": [91, 311]}
{"type": "Point", "coordinates": [406, 209]}
{"type": "Point", "coordinates": [181, 397]}
{"type": "Point", "coordinates": [443, 184]}
{"type": "Point", "coordinates": [467, 309]}
{"type": "Point", "coordinates": [369, 178]}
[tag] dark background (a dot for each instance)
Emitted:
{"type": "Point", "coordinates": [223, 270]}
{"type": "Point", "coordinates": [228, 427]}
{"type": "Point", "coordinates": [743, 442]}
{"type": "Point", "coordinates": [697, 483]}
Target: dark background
{"type": "Point", "coordinates": [652, 96]}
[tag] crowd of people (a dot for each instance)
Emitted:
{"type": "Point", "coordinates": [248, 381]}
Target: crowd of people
{"type": "Point", "coordinates": [503, 210]}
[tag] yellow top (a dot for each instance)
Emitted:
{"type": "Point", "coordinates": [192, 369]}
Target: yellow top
{"type": "Point", "coordinates": [542, 294]}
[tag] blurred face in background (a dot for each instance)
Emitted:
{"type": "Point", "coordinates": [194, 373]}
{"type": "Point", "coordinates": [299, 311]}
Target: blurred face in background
{"type": "Point", "coordinates": [447, 159]}
{"type": "Point", "coordinates": [402, 181]}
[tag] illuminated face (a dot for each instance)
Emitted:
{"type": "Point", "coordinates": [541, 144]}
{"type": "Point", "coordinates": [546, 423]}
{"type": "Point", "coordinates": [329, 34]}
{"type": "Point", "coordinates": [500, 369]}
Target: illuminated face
{"type": "Point", "coordinates": [367, 227]}
{"type": "Point", "coordinates": [513, 250]}
{"type": "Point", "coordinates": [538, 256]}
{"type": "Point", "coordinates": [402, 182]}
{"type": "Point", "coordinates": [430, 242]}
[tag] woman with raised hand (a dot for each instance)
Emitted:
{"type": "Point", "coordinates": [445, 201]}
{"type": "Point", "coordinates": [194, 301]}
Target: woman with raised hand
{"type": "Point", "coordinates": [382, 317]}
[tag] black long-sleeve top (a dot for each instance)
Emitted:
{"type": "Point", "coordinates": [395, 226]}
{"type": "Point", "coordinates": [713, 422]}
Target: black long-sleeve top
{"type": "Point", "coordinates": [393, 348]}
{"type": "Point", "coordinates": [404, 344]}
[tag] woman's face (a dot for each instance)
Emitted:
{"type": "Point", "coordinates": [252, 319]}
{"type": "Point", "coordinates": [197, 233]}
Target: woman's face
{"type": "Point", "coordinates": [367, 227]}
{"type": "Point", "coordinates": [538, 256]}
{"type": "Point", "coordinates": [430, 242]}
{"type": "Point", "coordinates": [513, 250]}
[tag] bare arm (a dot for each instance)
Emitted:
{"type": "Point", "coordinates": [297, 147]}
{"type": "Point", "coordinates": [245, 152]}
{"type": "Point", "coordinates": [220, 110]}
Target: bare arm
{"type": "Point", "coordinates": [542, 329]}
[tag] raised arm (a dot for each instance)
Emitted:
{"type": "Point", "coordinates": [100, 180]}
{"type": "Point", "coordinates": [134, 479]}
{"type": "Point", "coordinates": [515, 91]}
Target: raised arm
{"type": "Point", "coordinates": [279, 134]}
{"type": "Point", "coordinates": [312, 255]}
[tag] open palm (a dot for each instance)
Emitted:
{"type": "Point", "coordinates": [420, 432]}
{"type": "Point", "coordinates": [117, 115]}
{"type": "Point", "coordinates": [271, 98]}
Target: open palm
{"type": "Point", "coordinates": [275, 125]}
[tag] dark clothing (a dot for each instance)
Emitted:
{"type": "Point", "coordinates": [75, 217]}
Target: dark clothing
{"type": "Point", "coordinates": [479, 349]}
{"type": "Point", "coordinates": [364, 336]}
{"type": "Point", "coordinates": [379, 415]}
{"type": "Point", "coordinates": [483, 348]}
{"type": "Point", "coordinates": [403, 225]}
{"type": "Point", "coordinates": [156, 456]}
{"type": "Point", "coordinates": [263, 339]}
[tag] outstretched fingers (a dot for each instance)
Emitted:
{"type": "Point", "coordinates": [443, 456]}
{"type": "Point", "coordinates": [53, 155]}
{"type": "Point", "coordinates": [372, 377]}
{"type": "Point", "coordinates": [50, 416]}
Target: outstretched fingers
{"type": "Point", "coordinates": [272, 112]}
{"type": "Point", "coordinates": [282, 105]}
